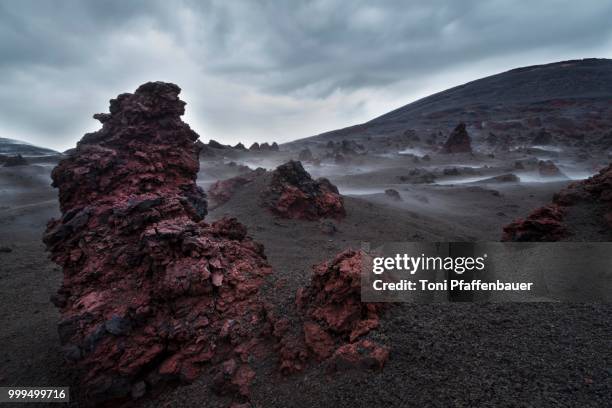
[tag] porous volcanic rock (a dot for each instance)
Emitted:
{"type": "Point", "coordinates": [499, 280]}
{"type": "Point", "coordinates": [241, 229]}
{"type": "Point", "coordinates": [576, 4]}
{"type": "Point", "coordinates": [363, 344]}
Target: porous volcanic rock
{"type": "Point", "coordinates": [335, 319]}
{"type": "Point", "coordinates": [292, 193]}
{"type": "Point", "coordinates": [458, 141]}
{"type": "Point", "coordinates": [150, 292]}
{"type": "Point", "coordinates": [575, 211]}
{"type": "Point", "coordinates": [222, 190]}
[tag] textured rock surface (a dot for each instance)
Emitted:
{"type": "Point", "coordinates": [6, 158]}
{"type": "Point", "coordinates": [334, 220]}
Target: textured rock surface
{"type": "Point", "coordinates": [292, 193]}
{"type": "Point", "coordinates": [150, 291]}
{"type": "Point", "coordinates": [335, 319]}
{"type": "Point", "coordinates": [222, 190]}
{"type": "Point", "coordinates": [548, 168]}
{"type": "Point", "coordinates": [582, 211]}
{"type": "Point", "coordinates": [458, 141]}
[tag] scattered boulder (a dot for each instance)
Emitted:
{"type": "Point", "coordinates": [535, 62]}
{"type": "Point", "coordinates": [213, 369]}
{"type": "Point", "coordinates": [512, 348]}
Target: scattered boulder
{"type": "Point", "coordinates": [543, 224]}
{"type": "Point", "coordinates": [393, 194]}
{"type": "Point", "coordinates": [364, 354]}
{"type": "Point", "coordinates": [542, 138]}
{"type": "Point", "coordinates": [335, 319]}
{"type": "Point", "coordinates": [459, 141]}
{"type": "Point", "coordinates": [453, 171]}
{"type": "Point", "coordinates": [305, 155]}
{"type": "Point", "coordinates": [292, 193]}
{"type": "Point", "coordinates": [328, 227]}
{"type": "Point", "coordinates": [151, 293]}
{"type": "Point", "coordinates": [582, 211]}
{"type": "Point", "coordinates": [222, 190]}
{"type": "Point", "coordinates": [548, 168]}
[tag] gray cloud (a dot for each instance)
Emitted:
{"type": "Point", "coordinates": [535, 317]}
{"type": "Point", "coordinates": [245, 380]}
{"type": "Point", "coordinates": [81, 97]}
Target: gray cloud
{"type": "Point", "coordinates": [269, 70]}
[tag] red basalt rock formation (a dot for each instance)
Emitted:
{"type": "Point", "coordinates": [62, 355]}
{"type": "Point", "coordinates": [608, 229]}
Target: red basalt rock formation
{"type": "Point", "coordinates": [581, 211]}
{"type": "Point", "coordinates": [335, 319]}
{"type": "Point", "coordinates": [222, 190]}
{"type": "Point", "coordinates": [151, 292]}
{"type": "Point", "coordinates": [292, 193]}
{"type": "Point", "coordinates": [458, 141]}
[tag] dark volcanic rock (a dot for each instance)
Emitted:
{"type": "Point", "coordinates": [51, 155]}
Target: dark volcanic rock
{"type": "Point", "coordinates": [150, 291]}
{"type": "Point", "coordinates": [13, 161]}
{"type": "Point", "coordinates": [292, 193]}
{"type": "Point", "coordinates": [305, 155]}
{"type": "Point", "coordinates": [335, 319]}
{"type": "Point", "coordinates": [239, 146]}
{"type": "Point", "coordinates": [543, 224]}
{"type": "Point", "coordinates": [222, 190]}
{"type": "Point", "coordinates": [542, 138]}
{"type": "Point", "coordinates": [547, 168]}
{"type": "Point", "coordinates": [393, 194]}
{"type": "Point", "coordinates": [575, 211]}
{"type": "Point", "coordinates": [459, 141]}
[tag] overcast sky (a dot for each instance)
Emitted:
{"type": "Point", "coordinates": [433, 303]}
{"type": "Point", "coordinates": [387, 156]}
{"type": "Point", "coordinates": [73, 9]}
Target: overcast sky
{"type": "Point", "coordinates": [269, 70]}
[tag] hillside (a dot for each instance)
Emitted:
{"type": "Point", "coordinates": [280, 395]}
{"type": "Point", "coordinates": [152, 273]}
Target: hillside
{"type": "Point", "coordinates": [12, 147]}
{"type": "Point", "coordinates": [569, 97]}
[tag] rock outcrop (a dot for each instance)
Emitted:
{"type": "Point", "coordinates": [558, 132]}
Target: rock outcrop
{"type": "Point", "coordinates": [548, 168]}
{"type": "Point", "coordinates": [542, 138]}
{"type": "Point", "coordinates": [292, 193]}
{"type": "Point", "coordinates": [458, 141]}
{"type": "Point", "coordinates": [151, 293]}
{"type": "Point", "coordinates": [222, 190]}
{"type": "Point", "coordinates": [335, 320]}
{"type": "Point", "coordinates": [582, 211]}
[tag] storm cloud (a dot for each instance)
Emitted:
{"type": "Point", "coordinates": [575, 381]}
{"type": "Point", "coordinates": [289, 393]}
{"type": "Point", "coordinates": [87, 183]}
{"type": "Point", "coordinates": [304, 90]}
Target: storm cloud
{"type": "Point", "coordinates": [269, 70]}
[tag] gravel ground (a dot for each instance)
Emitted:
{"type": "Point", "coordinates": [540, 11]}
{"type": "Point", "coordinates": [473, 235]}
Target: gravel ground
{"type": "Point", "coordinates": [442, 355]}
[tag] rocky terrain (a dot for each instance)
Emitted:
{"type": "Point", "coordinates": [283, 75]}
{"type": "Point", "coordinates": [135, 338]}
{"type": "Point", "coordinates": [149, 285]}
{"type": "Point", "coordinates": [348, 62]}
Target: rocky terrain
{"type": "Point", "coordinates": [289, 221]}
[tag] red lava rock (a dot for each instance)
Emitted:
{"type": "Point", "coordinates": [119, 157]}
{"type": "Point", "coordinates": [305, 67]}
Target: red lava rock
{"type": "Point", "coordinates": [318, 340]}
{"type": "Point", "coordinates": [222, 190]}
{"type": "Point", "coordinates": [547, 168]}
{"type": "Point", "coordinates": [333, 298]}
{"type": "Point", "coordinates": [292, 193]}
{"type": "Point", "coordinates": [550, 223]}
{"type": "Point", "coordinates": [363, 354]}
{"type": "Point", "coordinates": [333, 314]}
{"type": "Point", "coordinates": [543, 224]}
{"type": "Point", "coordinates": [150, 291]}
{"type": "Point", "coordinates": [459, 141]}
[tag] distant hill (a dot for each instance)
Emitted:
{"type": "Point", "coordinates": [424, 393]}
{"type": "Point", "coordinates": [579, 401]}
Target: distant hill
{"type": "Point", "coordinates": [570, 97]}
{"type": "Point", "coordinates": [13, 147]}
